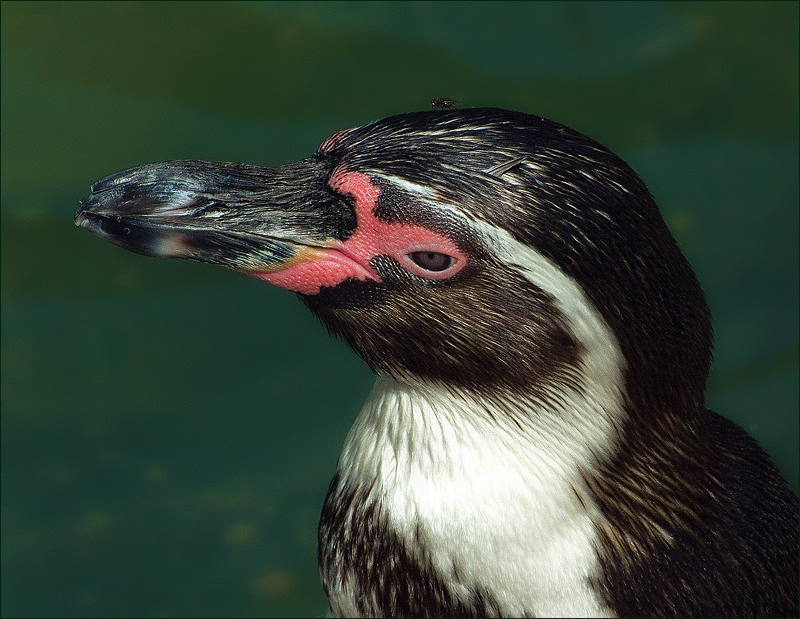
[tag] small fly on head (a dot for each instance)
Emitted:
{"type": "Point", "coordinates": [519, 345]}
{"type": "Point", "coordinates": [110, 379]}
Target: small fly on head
{"type": "Point", "coordinates": [443, 103]}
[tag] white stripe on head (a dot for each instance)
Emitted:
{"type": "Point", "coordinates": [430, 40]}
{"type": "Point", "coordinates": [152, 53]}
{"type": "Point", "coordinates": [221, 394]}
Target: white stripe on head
{"type": "Point", "coordinates": [602, 362]}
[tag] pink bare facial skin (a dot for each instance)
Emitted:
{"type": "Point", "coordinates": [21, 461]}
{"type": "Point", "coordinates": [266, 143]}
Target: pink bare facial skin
{"type": "Point", "coordinates": [315, 267]}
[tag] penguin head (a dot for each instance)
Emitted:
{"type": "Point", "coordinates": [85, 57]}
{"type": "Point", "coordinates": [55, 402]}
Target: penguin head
{"type": "Point", "coordinates": [483, 249]}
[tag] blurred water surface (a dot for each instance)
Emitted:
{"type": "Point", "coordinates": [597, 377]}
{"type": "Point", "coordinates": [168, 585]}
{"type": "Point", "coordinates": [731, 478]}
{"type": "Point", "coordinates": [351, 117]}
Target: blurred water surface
{"type": "Point", "coordinates": [169, 429]}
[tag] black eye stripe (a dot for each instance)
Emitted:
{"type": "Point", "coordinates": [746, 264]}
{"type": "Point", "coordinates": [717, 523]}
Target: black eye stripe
{"type": "Point", "coordinates": [431, 260]}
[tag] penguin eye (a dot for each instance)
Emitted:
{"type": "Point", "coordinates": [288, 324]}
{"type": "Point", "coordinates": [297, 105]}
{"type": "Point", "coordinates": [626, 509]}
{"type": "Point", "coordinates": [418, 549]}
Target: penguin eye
{"type": "Point", "coordinates": [433, 261]}
{"type": "Point", "coordinates": [427, 262]}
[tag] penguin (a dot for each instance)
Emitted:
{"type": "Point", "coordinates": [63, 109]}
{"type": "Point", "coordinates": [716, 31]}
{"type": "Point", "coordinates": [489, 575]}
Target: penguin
{"type": "Point", "coordinates": [537, 441]}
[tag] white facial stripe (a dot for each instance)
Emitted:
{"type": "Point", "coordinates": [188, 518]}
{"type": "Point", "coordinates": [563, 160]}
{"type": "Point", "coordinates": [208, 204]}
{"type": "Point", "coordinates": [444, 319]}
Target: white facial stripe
{"type": "Point", "coordinates": [426, 193]}
{"type": "Point", "coordinates": [603, 363]}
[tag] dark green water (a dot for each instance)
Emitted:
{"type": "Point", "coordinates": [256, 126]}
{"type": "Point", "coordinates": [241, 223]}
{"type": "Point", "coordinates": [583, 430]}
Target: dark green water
{"type": "Point", "coordinates": [169, 429]}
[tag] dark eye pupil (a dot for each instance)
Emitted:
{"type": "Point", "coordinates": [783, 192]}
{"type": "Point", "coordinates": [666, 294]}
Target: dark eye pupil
{"type": "Point", "coordinates": [431, 260]}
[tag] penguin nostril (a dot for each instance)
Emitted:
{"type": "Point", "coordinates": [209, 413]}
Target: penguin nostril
{"type": "Point", "coordinates": [431, 260]}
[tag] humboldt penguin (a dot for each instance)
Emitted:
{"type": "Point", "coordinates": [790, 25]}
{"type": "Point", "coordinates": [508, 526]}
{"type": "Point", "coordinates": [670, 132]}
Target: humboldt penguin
{"type": "Point", "coordinates": [536, 443]}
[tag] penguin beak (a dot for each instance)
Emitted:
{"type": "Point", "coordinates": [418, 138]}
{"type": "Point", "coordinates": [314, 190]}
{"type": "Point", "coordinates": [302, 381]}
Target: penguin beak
{"type": "Point", "coordinates": [248, 218]}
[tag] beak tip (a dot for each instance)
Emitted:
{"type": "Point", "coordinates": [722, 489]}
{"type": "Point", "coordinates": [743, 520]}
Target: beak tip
{"type": "Point", "coordinates": [85, 219]}
{"type": "Point", "coordinates": [80, 219]}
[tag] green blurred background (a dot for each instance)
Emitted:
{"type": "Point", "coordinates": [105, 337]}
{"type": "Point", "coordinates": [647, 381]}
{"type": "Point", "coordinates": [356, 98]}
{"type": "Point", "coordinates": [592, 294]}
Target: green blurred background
{"type": "Point", "coordinates": [169, 429]}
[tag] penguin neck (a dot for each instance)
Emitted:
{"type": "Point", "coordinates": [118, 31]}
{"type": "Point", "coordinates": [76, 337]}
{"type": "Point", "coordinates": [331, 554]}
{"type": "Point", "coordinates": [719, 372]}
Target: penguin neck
{"type": "Point", "coordinates": [452, 476]}
{"type": "Point", "coordinates": [413, 440]}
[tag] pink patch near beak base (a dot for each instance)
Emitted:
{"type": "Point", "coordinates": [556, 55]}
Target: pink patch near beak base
{"type": "Point", "coordinates": [315, 267]}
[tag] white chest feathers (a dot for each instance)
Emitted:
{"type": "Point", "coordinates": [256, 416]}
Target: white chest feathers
{"type": "Point", "coordinates": [496, 495]}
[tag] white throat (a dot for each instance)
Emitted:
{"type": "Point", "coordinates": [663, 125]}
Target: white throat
{"type": "Point", "coordinates": [500, 500]}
